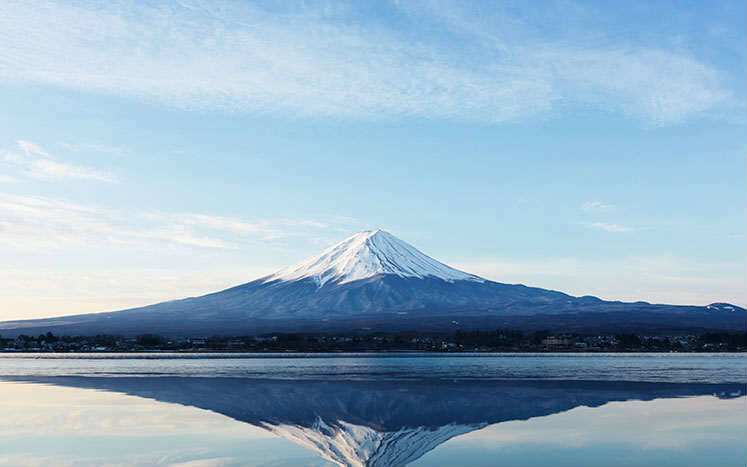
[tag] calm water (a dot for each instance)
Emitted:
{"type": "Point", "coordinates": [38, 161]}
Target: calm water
{"type": "Point", "coordinates": [375, 410]}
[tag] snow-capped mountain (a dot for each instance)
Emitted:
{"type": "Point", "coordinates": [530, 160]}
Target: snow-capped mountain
{"type": "Point", "coordinates": [351, 445]}
{"type": "Point", "coordinates": [373, 280]}
{"type": "Point", "coordinates": [367, 254]}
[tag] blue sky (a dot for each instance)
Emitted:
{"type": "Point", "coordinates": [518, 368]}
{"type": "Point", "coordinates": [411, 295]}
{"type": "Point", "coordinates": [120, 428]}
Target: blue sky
{"type": "Point", "coordinates": [151, 151]}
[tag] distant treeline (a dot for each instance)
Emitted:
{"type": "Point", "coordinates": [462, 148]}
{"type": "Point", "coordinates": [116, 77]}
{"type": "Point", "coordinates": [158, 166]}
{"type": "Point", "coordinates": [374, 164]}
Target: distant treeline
{"type": "Point", "coordinates": [493, 340]}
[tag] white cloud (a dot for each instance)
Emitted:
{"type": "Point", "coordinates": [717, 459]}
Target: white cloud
{"type": "Point", "coordinates": [7, 179]}
{"type": "Point", "coordinates": [265, 229]}
{"type": "Point", "coordinates": [38, 223]}
{"type": "Point", "coordinates": [31, 149]}
{"type": "Point", "coordinates": [31, 204]}
{"type": "Point", "coordinates": [47, 169]}
{"type": "Point", "coordinates": [597, 206]}
{"type": "Point", "coordinates": [240, 58]}
{"type": "Point", "coordinates": [179, 234]}
{"type": "Point", "coordinates": [654, 85]}
{"type": "Point", "coordinates": [607, 227]}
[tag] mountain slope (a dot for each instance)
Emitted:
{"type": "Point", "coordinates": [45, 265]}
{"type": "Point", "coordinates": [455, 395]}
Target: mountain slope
{"type": "Point", "coordinates": [373, 280]}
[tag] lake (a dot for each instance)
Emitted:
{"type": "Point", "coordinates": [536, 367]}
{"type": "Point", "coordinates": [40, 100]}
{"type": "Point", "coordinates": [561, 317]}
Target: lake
{"type": "Point", "coordinates": [373, 409]}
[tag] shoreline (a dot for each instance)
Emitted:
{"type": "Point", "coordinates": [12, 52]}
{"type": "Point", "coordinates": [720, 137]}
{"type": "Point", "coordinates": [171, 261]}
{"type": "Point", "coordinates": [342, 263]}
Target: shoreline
{"type": "Point", "coordinates": [412, 353]}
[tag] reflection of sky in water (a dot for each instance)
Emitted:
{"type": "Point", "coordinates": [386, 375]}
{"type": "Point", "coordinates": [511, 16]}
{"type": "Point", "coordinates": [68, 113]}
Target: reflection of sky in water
{"type": "Point", "coordinates": [703, 431]}
{"type": "Point", "coordinates": [47, 424]}
{"type": "Point", "coordinates": [51, 425]}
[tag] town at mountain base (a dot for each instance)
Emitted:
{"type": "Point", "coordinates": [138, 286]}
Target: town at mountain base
{"type": "Point", "coordinates": [375, 281]}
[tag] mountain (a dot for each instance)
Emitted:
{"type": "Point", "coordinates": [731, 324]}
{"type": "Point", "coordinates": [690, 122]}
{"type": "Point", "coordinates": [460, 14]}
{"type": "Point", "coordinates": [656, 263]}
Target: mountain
{"type": "Point", "coordinates": [365, 255]}
{"type": "Point", "coordinates": [373, 280]}
{"type": "Point", "coordinates": [382, 423]}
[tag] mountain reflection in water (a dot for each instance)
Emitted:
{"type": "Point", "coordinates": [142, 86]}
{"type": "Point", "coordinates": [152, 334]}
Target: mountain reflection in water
{"type": "Point", "coordinates": [382, 423]}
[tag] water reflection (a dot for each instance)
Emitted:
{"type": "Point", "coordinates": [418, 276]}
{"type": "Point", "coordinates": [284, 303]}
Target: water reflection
{"type": "Point", "coordinates": [382, 423]}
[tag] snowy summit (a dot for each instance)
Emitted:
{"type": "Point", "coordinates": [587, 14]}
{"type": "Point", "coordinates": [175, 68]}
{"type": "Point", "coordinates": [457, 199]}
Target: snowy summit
{"type": "Point", "coordinates": [367, 254]}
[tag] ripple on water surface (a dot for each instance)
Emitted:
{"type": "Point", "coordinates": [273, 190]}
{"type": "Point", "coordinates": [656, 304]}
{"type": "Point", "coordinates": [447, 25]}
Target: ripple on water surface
{"type": "Point", "coordinates": [714, 368]}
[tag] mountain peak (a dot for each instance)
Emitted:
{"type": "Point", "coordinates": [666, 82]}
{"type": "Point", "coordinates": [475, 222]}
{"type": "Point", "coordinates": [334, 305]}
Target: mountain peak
{"type": "Point", "coordinates": [366, 254]}
{"type": "Point", "coordinates": [352, 445]}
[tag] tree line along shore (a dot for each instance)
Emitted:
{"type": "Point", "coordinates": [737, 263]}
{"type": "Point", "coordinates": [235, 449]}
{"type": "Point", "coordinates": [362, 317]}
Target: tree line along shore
{"type": "Point", "coordinates": [458, 341]}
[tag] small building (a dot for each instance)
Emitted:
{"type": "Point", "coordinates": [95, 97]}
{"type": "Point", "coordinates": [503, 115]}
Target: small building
{"type": "Point", "coordinates": [557, 343]}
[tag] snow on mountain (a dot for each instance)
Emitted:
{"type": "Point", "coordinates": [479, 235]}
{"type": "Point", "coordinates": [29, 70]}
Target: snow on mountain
{"type": "Point", "coordinates": [351, 445]}
{"type": "Point", "coordinates": [367, 254]}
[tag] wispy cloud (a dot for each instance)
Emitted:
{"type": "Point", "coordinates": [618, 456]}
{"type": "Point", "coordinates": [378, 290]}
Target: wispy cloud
{"type": "Point", "coordinates": [277, 228]}
{"type": "Point", "coordinates": [39, 223]}
{"type": "Point", "coordinates": [607, 227]}
{"type": "Point", "coordinates": [238, 57]}
{"type": "Point", "coordinates": [652, 85]}
{"type": "Point", "coordinates": [38, 163]}
{"type": "Point", "coordinates": [597, 206]}
{"type": "Point", "coordinates": [6, 179]}
{"type": "Point", "coordinates": [47, 169]}
{"type": "Point", "coordinates": [31, 149]}
{"type": "Point", "coordinates": [180, 234]}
